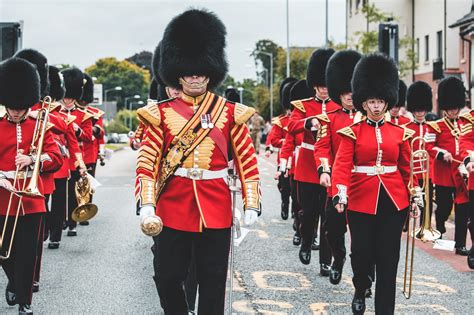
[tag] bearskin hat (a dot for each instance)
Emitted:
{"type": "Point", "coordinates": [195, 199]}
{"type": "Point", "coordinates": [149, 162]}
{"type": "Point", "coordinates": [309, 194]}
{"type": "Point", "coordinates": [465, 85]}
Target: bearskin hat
{"type": "Point", "coordinates": [402, 94]}
{"type": "Point", "coordinates": [155, 65]}
{"type": "Point", "coordinates": [162, 93]}
{"type": "Point", "coordinates": [20, 84]}
{"type": "Point", "coordinates": [285, 101]}
{"type": "Point", "coordinates": [451, 94]}
{"type": "Point", "coordinates": [339, 73]}
{"type": "Point", "coordinates": [285, 81]}
{"type": "Point", "coordinates": [419, 97]}
{"type": "Point", "coordinates": [41, 63]}
{"type": "Point", "coordinates": [300, 91]}
{"type": "Point", "coordinates": [316, 72]}
{"type": "Point", "coordinates": [56, 84]}
{"type": "Point", "coordinates": [375, 76]}
{"type": "Point", "coordinates": [232, 95]}
{"type": "Point", "coordinates": [193, 44]}
{"type": "Point", "coordinates": [153, 90]}
{"type": "Point", "coordinates": [73, 82]}
{"type": "Point", "coordinates": [88, 90]}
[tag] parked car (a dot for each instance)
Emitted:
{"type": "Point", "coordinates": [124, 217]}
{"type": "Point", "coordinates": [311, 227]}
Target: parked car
{"type": "Point", "coordinates": [123, 138]}
{"type": "Point", "coordinates": [113, 138]}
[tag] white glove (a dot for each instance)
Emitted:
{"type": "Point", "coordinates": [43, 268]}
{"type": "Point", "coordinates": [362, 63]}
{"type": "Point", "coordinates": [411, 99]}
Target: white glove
{"type": "Point", "coordinates": [146, 211]}
{"type": "Point", "coordinates": [251, 216]}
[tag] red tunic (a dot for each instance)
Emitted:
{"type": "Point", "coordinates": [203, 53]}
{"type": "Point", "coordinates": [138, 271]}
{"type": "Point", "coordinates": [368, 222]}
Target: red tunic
{"type": "Point", "coordinates": [98, 132]}
{"type": "Point", "coordinates": [329, 140]}
{"type": "Point", "coordinates": [363, 144]}
{"type": "Point", "coordinates": [466, 144]}
{"type": "Point", "coordinates": [306, 170]}
{"type": "Point", "coordinates": [188, 204]}
{"type": "Point", "coordinates": [276, 137]}
{"type": "Point", "coordinates": [399, 120]}
{"type": "Point", "coordinates": [443, 136]}
{"type": "Point", "coordinates": [289, 152]}
{"type": "Point", "coordinates": [19, 136]}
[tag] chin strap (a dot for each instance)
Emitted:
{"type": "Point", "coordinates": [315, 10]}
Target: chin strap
{"type": "Point", "coordinates": [188, 85]}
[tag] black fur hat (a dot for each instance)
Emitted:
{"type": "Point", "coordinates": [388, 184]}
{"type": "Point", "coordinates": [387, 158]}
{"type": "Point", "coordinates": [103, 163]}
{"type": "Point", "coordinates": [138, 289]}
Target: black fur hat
{"type": "Point", "coordinates": [451, 94]}
{"type": "Point", "coordinates": [41, 63]}
{"type": "Point", "coordinates": [402, 94]}
{"type": "Point", "coordinates": [339, 73]}
{"type": "Point", "coordinates": [153, 90]}
{"type": "Point", "coordinates": [73, 82]}
{"type": "Point", "coordinates": [155, 65]}
{"type": "Point", "coordinates": [300, 91]}
{"type": "Point", "coordinates": [162, 94]}
{"type": "Point", "coordinates": [285, 101]}
{"type": "Point", "coordinates": [56, 84]}
{"type": "Point", "coordinates": [282, 85]}
{"type": "Point", "coordinates": [375, 76]}
{"type": "Point", "coordinates": [232, 95]}
{"type": "Point", "coordinates": [316, 72]}
{"type": "Point", "coordinates": [419, 97]}
{"type": "Point", "coordinates": [20, 84]}
{"type": "Point", "coordinates": [88, 90]}
{"type": "Point", "coordinates": [193, 44]}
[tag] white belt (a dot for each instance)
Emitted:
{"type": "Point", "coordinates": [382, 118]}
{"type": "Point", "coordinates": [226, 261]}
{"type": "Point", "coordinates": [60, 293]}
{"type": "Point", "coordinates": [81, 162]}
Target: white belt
{"type": "Point", "coordinates": [11, 174]}
{"type": "Point", "coordinates": [307, 146]}
{"type": "Point", "coordinates": [200, 174]}
{"type": "Point", "coordinates": [375, 170]}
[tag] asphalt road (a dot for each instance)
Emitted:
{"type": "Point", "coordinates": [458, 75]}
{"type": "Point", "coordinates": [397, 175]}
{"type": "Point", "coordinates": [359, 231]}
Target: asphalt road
{"type": "Point", "coordinates": [107, 268]}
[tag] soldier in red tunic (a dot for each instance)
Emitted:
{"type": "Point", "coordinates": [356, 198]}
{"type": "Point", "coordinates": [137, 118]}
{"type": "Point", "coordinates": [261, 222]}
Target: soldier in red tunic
{"type": "Point", "coordinates": [466, 143]}
{"type": "Point", "coordinates": [370, 176]}
{"type": "Point", "coordinates": [338, 78]}
{"type": "Point", "coordinates": [393, 114]}
{"type": "Point", "coordinates": [183, 163]}
{"type": "Point", "coordinates": [74, 81]}
{"type": "Point", "coordinates": [276, 139]}
{"type": "Point", "coordinates": [311, 195]}
{"type": "Point", "coordinates": [20, 90]}
{"type": "Point", "coordinates": [419, 103]}
{"type": "Point", "coordinates": [443, 146]}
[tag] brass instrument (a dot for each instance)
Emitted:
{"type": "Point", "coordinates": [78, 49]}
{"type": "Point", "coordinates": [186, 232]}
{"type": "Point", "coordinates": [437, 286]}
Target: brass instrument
{"type": "Point", "coordinates": [419, 166]}
{"type": "Point", "coordinates": [31, 190]}
{"type": "Point", "coordinates": [85, 210]}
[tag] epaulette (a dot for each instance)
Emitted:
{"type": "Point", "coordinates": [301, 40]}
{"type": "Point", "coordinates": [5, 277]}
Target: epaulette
{"type": "Point", "coordinates": [299, 104]}
{"type": "Point", "coordinates": [407, 133]}
{"type": "Point", "coordinates": [150, 114]}
{"type": "Point", "coordinates": [465, 129]}
{"type": "Point", "coordinates": [276, 121]}
{"type": "Point", "coordinates": [434, 125]}
{"type": "Point", "coordinates": [348, 132]}
{"type": "Point", "coordinates": [242, 113]}
{"type": "Point", "coordinates": [468, 116]}
{"type": "Point", "coordinates": [323, 117]}
{"type": "Point", "coordinates": [87, 116]}
{"type": "Point", "coordinates": [70, 119]}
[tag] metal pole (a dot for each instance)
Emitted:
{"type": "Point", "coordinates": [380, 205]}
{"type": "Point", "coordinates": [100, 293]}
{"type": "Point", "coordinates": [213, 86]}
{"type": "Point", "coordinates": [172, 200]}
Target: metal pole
{"type": "Point", "coordinates": [327, 24]}
{"type": "Point", "coordinates": [271, 86]}
{"type": "Point", "coordinates": [130, 118]}
{"type": "Point", "coordinates": [287, 39]}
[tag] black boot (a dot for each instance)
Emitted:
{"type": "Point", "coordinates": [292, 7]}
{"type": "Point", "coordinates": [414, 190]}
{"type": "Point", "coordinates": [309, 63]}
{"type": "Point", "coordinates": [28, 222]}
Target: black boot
{"type": "Point", "coordinates": [24, 309]}
{"type": "Point", "coordinates": [324, 270]}
{"type": "Point", "coordinates": [10, 296]}
{"type": "Point", "coordinates": [72, 232]}
{"type": "Point", "coordinates": [470, 258]}
{"type": "Point", "coordinates": [84, 223]}
{"type": "Point", "coordinates": [336, 271]}
{"type": "Point", "coordinates": [296, 240]}
{"type": "Point", "coordinates": [462, 251]}
{"type": "Point", "coordinates": [53, 245]}
{"type": "Point", "coordinates": [36, 286]}
{"type": "Point", "coordinates": [358, 303]}
{"type": "Point", "coordinates": [315, 245]}
{"type": "Point", "coordinates": [305, 255]}
{"type": "Point", "coordinates": [284, 211]}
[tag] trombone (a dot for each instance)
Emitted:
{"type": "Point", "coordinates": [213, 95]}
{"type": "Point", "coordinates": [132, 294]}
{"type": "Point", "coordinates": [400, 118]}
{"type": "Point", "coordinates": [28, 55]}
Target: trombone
{"type": "Point", "coordinates": [31, 190]}
{"type": "Point", "coordinates": [420, 167]}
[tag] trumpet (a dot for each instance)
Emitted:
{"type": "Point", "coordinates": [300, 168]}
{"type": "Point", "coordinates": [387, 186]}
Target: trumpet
{"type": "Point", "coordinates": [420, 167]}
{"type": "Point", "coordinates": [31, 190]}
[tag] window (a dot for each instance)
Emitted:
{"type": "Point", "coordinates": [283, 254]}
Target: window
{"type": "Point", "coordinates": [439, 44]}
{"type": "Point", "coordinates": [417, 50]}
{"type": "Point", "coordinates": [427, 47]}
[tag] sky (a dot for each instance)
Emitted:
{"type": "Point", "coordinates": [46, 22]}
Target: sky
{"type": "Point", "coordinates": [79, 32]}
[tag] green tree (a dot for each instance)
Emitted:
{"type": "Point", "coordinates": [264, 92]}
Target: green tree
{"type": "Point", "coordinates": [116, 126]}
{"type": "Point", "coordinates": [112, 72]}
{"type": "Point", "coordinates": [267, 46]}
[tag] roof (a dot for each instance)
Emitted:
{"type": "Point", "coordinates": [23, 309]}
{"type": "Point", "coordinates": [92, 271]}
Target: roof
{"type": "Point", "coordinates": [468, 19]}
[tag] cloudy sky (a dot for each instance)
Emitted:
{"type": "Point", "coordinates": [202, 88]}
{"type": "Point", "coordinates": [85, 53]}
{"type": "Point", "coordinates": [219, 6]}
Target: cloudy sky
{"type": "Point", "coordinates": [81, 31]}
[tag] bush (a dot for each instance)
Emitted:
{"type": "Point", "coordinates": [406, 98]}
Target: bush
{"type": "Point", "coordinates": [117, 126]}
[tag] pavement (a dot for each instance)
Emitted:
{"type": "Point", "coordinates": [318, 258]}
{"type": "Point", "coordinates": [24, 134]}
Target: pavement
{"type": "Point", "coordinates": [108, 269]}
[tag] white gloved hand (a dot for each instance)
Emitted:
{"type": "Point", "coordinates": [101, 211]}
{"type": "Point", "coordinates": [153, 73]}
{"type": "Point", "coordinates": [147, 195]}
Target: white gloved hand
{"type": "Point", "coordinates": [146, 211]}
{"type": "Point", "coordinates": [251, 216]}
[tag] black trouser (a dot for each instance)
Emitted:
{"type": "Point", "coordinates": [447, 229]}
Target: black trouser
{"type": "Point", "coordinates": [376, 238]}
{"type": "Point", "coordinates": [20, 267]}
{"type": "Point", "coordinates": [91, 167]}
{"type": "Point", "coordinates": [335, 226]}
{"type": "Point", "coordinates": [72, 201]}
{"type": "Point", "coordinates": [471, 216]}
{"type": "Point", "coordinates": [295, 206]}
{"type": "Point", "coordinates": [285, 190]}
{"type": "Point", "coordinates": [211, 249]}
{"type": "Point", "coordinates": [55, 218]}
{"type": "Point", "coordinates": [41, 239]}
{"type": "Point", "coordinates": [190, 284]}
{"type": "Point", "coordinates": [422, 209]}
{"type": "Point", "coordinates": [445, 200]}
{"type": "Point", "coordinates": [312, 198]}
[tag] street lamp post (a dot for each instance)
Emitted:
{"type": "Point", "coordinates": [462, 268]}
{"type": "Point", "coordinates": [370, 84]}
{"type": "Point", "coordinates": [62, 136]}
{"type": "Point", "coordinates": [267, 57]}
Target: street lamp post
{"type": "Point", "coordinates": [271, 78]}
{"type": "Point", "coordinates": [241, 92]}
{"type": "Point", "coordinates": [136, 96]}
{"type": "Point", "coordinates": [117, 88]}
{"type": "Point", "coordinates": [287, 39]}
{"type": "Point", "coordinates": [130, 123]}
